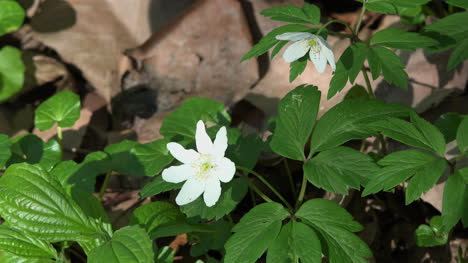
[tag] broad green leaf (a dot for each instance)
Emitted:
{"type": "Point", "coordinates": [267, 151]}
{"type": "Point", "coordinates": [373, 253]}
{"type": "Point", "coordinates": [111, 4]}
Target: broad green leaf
{"type": "Point", "coordinates": [11, 71]}
{"type": "Point", "coordinates": [348, 119]}
{"type": "Point", "coordinates": [399, 166]}
{"type": "Point", "coordinates": [420, 133]}
{"type": "Point", "coordinates": [431, 235]}
{"type": "Point", "coordinates": [459, 54]}
{"type": "Point", "coordinates": [24, 245]}
{"type": "Point", "coordinates": [448, 124]}
{"type": "Point", "coordinates": [297, 67]}
{"type": "Point", "coordinates": [297, 113]}
{"type": "Point", "coordinates": [308, 14]}
{"type": "Point", "coordinates": [392, 6]}
{"type": "Point", "coordinates": [31, 149]}
{"type": "Point", "coordinates": [11, 16]}
{"type": "Point", "coordinates": [62, 108]}
{"type": "Point", "coordinates": [91, 206]}
{"type": "Point", "coordinates": [255, 232]}
{"type": "Point", "coordinates": [6, 257]}
{"type": "Point", "coordinates": [158, 185]}
{"type": "Point", "coordinates": [459, 3]}
{"type": "Point", "coordinates": [335, 226]}
{"type": "Point", "coordinates": [453, 202]}
{"type": "Point", "coordinates": [336, 169]}
{"type": "Point", "coordinates": [383, 60]}
{"type": "Point", "coordinates": [269, 41]}
{"type": "Point", "coordinates": [357, 92]}
{"type": "Point", "coordinates": [5, 152]}
{"type": "Point", "coordinates": [183, 120]}
{"type": "Point", "coordinates": [462, 135]}
{"type": "Point", "coordinates": [246, 150]}
{"type": "Point", "coordinates": [339, 79]}
{"type": "Point", "coordinates": [448, 31]}
{"type": "Point", "coordinates": [400, 39]}
{"type": "Point", "coordinates": [215, 240]}
{"type": "Point", "coordinates": [165, 255]}
{"type": "Point", "coordinates": [278, 48]}
{"type": "Point", "coordinates": [130, 244]}
{"type": "Point", "coordinates": [35, 202]}
{"type": "Point", "coordinates": [232, 193]}
{"type": "Point", "coordinates": [295, 241]}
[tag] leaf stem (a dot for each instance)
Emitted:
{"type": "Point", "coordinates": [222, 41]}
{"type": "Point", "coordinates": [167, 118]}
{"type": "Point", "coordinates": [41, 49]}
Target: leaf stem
{"type": "Point", "coordinates": [300, 198]}
{"type": "Point", "coordinates": [291, 181]}
{"type": "Point", "coordinates": [363, 11]}
{"type": "Point", "coordinates": [267, 184]}
{"type": "Point", "coordinates": [368, 84]}
{"type": "Point", "coordinates": [104, 184]}
{"type": "Point", "coordinates": [259, 192]}
{"type": "Point", "coordinates": [335, 21]}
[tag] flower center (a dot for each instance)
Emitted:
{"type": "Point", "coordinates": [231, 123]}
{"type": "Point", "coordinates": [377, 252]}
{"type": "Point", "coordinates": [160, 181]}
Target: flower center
{"type": "Point", "coordinates": [204, 167]}
{"type": "Point", "coordinates": [312, 42]}
{"type": "Point", "coordinates": [314, 45]}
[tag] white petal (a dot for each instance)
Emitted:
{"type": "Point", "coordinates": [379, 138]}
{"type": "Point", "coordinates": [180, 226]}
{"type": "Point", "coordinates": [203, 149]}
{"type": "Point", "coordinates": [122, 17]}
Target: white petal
{"type": "Point", "coordinates": [296, 51]}
{"type": "Point", "coordinates": [225, 170]}
{"type": "Point", "coordinates": [220, 143]}
{"type": "Point", "coordinates": [181, 154]}
{"type": "Point", "coordinates": [203, 141]}
{"type": "Point", "coordinates": [191, 190]}
{"type": "Point", "coordinates": [293, 36]}
{"type": "Point", "coordinates": [328, 52]}
{"type": "Point", "coordinates": [212, 191]}
{"type": "Point", "coordinates": [319, 59]}
{"type": "Point", "coordinates": [177, 174]}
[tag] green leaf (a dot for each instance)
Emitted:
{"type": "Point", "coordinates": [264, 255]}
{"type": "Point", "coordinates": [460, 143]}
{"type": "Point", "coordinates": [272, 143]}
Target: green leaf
{"type": "Point", "coordinates": [270, 40]}
{"type": "Point", "coordinates": [11, 71]}
{"type": "Point", "coordinates": [23, 245]}
{"type": "Point", "coordinates": [62, 108]}
{"type": "Point", "coordinates": [399, 166]}
{"type": "Point", "coordinates": [357, 92]}
{"type": "Point", "coordinates": [158, 185]}
{"type": "Point", "coordinates": [130, 244]}
{"type": "Point", "coordinates": [295, 241]}
{"type": "Point", "coordinates": [165, 255]}
{"type": "Point", "coordinates": [431, 235]}
{"type": "Point", "coordinates": [91, 206]}
{"type": "Point", "coordinates": [255, 233]}
{"type": "Point", "coordinates": [297, 67]}
{"type": "Point", "coordinates": [6, 257]}
{"type": "Point", "coordinates": [297, 113]}
{"type": "Point", "coordinates": [383, 60]}
{"type": "Point", "coordinates": [232, 193]}
{"type": "Point", "coordinates": [448, 124]}
{"type": "Point", "coordinates": [453, 202]}
{"type": "Point", "coordinates": [278, 48]}
{"type": "Point", "coordinates": [420, 133]}
{"type": "Point", "coordinates": [459, 3]}
{"type": "Point", "coordinates": [5, 152]}
{"type": "Point", "coordinates": [183, 120]}
{"type": "Point", "coordinates": [400, 39]}
{"type": "Point", "coordinates": [215, 240]}
{"type": "Point", "coordinates": [347, 121]}
{"type": "Point", "coordinates": [462, 135]}
{"type": "Point", "coordinates": [11, 16]}
{"type": "Point", "coordinates": [459, 54]}
{"type": "Point", "coordinates": [335, 226]}
{"type": "Point", "coordinates": [336, 169]}
{"type": "Point", "coordinates": [35, 202]}
{"type": "Point", "coordinates": [448, 31]}
{"type": "Point", "coordinates": [308, 14]}
{"type": "Point", "coordinates": [31, 149]}
{"type": "Point", "coordinates": [245, 151]}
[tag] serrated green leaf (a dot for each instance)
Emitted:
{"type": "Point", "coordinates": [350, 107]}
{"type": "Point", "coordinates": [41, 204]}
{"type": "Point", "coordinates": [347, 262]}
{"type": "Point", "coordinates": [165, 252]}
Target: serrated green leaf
{"type": "Point", "coordinates": [232, 193]}
{"type": "Point", "coordinates": [308, 14]}
{"type": "Point", "coordinates": [399, 166]}
{"type": "Point", "coordinates": [31, 149]}
{"type": "Point", "coordinates": [459, 54]}
{"type": "Point", "coordinates": [6, 257]}
{"type": "Point", "coordinates": [339, 80]}
{"type": "Point", "coordinates": [63, 108]}
{"type": "Point", "coordinates": [392, 6]}
{"type": "Point", "coordinates": [347, 121]}
{"type": "Point", "coordinates": [11, 16]}
{"type": "Point", "coordinates": [11, 71]}
{"type": "Point", "coordinates": [295, 241]}
{"type": "Point", "coordinates": [24, 245]}
{"type": "Point", "coordinates": [459, 3]}
{"type": "Point", "coordinates": [400, 39]}
{"type": "Point", "coordinates": [448, 31]}
{"type": "Point", "coordinates": [419, 133]}
{"type": "Point", "coordinates": [278, 48]}
{"type": "Point", "coordinates": [432, 234]}
{"type": "Point", "coordinates": [384, 60]}
{"type": "Point", "coordinates": [158, 185]}
{"type": "Point", "coordinates": [297, 113]}
{"type": "Point", "coordinates": [35, 202]}
{"type": "Point", "coordinates": [336, 169]}
{"type": "Point", "coordinates": [91, 206]}
{"type": "Point", "coordinates": [255, 233]}
{"type": "Point", "coordinates": [5, 152]}
{"type": "Point", "coordinates": [453, 202]}
{"type": "Point", "coordinates": [130, 244]}
{"type": "Point", "coordinates": [448, 124]}
{"type": "Point", "coordinates": [357, 92]}
{"type": "Point", "coordinates": [462, 135]}
{"type": "Point", "coordinates": [297, 67]}
{"type": "Point", "coordinates": [215, 240]}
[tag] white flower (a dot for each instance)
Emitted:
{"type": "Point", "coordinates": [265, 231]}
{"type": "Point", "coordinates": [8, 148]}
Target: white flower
{"type": "Point", "coordinates": [202, 170]}
{"type": "Point", "coordinates": [319, 50]}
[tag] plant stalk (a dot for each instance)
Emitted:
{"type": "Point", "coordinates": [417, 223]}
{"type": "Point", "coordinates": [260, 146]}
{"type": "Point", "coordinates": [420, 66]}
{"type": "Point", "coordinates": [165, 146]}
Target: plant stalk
{"type": "Point", "coordinates": [300, 198]}
{"type": "Point", "coordinates": [104, 184]}
{"type": "Point", "coordinates": [291, 181]}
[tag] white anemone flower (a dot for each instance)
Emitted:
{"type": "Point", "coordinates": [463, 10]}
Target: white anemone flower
{"type": "Point", "coordinates": [319, 50]}
{"type": "Point", "coordinates": [204, 170]}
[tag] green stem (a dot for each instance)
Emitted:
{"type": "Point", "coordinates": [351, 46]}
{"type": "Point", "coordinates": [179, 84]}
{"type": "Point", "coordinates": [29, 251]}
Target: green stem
{"type": "Point", "coordinates": [291, 181]}
{"type": "Point", "coordinates": [300, 198]}
{"type": "Point", "coordinates": [259, 192]}
{"type": "Point", "coordinates": [368, 84]}
{"type": "Point", "coordinates": [60, 140]}
{"type": "Point", "coordinates": [335, 21]}
{"type": "Point", "coordinates": [104, 184]}
{"type": "Point", "coordinates": [363, 11]}
{"type": "Point", "coordinates": [267, 184]}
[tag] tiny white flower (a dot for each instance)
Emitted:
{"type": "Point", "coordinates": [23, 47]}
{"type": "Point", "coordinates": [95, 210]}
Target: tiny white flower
{"type": "Point", "coordinates": [319, 50]}
{"type": "Point", "coordinates": [203, 170]}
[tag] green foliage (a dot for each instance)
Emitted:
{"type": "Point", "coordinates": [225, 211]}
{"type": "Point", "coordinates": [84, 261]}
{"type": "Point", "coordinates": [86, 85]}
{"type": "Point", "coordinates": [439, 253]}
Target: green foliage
{"type": "Point", "coordinates": [455, 200]}
{"type": "Point", "coordinates": [392, 6]}
{"type": "Point", "coordinates": [448, 31]}
{"type": "Point", "coordinates": [245, 150]}
{"type": "Point", "coordinates": [308, 14]}
{"type": "Point", "coordinates": [459, 3]}
{"type": "Point", "coordinates": [24, 245]}
{"type": "Point", "coordinates": [158, 185]}
{"type": "Point", "coordinates": [459, 54]}
{"type": "Point", "coordinates": [384, 61]}
{"type": "Point", "coordinates": [11, 70]}
{"type": "Point", "coordinates": [448, 124]}
{"type": "Point", "coordinates": [214, 240]}
{"type": "Point", "coordinates": [31, 149]}
{"type": "Point", "coordinates": [462, 136]}
{"type": "Point", "coordinates": [297, 113]}
{"type": "Point", "coordinates": [297, 67]}
{"type": "Point", "coordinates": [255, 232]}
{"type": "Point", "coordinates": [397, 38]}
{"type": "Point", "coordinates": [335, 225]}
{"type": "Point", "coordinates": [5, 152]}
{"type": "Point", "coordinates": [431, 235]}
{"type": "Point", "coordinates": [11, 16]}
{"type": "Point", "coordinates": [338, 168]}
{"type": "Point", "coordinates": [130, 244]}
{"type": "Point", "coordinates": [63, 108]}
